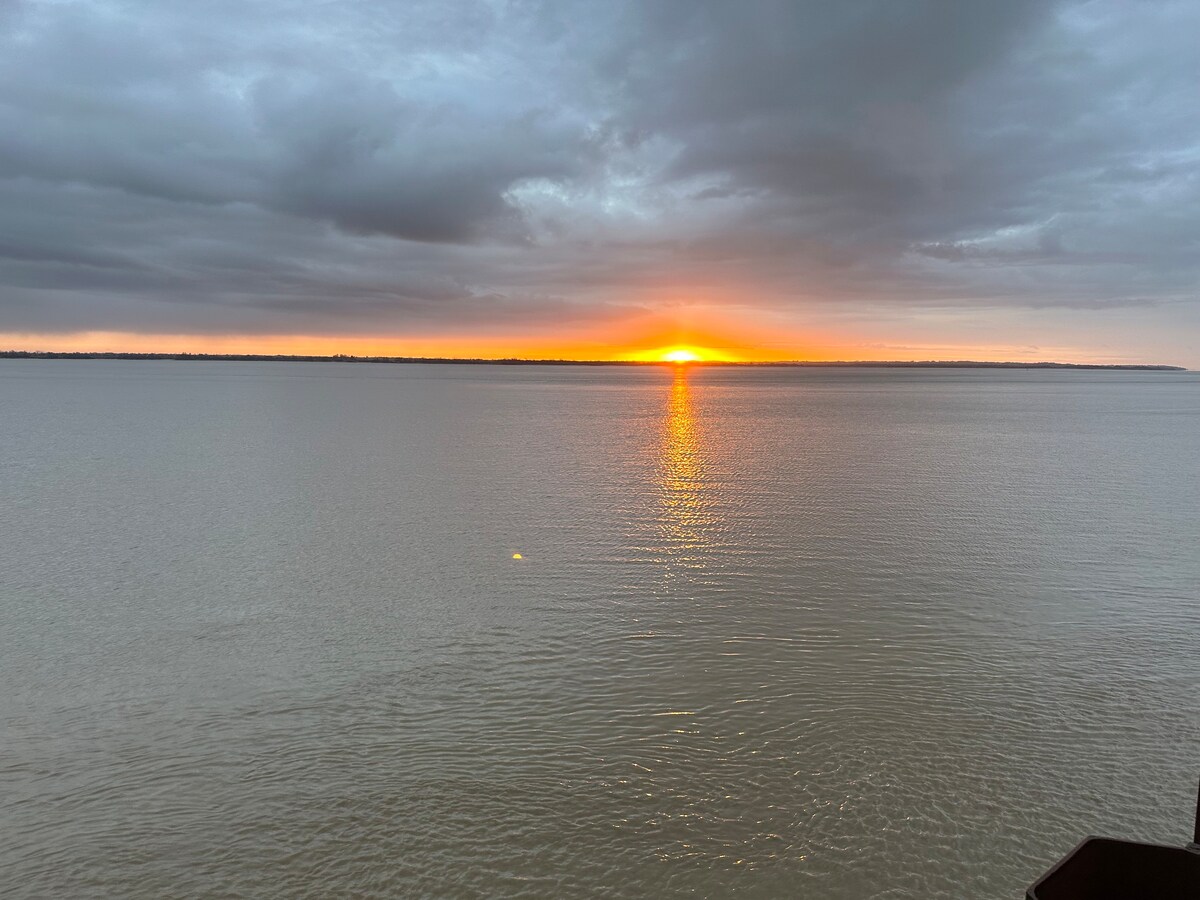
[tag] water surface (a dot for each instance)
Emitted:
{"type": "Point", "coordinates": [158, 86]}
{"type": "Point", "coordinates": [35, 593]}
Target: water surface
{"type": "Point", "coordinates": [818, 633]}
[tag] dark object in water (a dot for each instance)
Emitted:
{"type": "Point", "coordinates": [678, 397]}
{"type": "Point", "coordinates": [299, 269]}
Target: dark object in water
{"type": "Point", "coordinates": [1108, 869]}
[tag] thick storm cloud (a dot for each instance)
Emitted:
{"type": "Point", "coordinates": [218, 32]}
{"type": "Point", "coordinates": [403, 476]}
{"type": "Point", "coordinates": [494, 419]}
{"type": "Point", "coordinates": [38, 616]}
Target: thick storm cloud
{"type": "Point", "coordinates": [287, 167]}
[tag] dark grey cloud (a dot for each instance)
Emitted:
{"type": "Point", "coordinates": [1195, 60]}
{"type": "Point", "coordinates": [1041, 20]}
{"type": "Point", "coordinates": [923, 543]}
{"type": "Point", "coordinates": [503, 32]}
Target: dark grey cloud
{"type": "Point", "coordinates": [288, 167]}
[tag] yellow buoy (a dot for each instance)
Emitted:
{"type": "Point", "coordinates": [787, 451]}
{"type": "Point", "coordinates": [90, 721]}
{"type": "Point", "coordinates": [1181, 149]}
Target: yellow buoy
{"type": "Point", "coordinates": [517, 556]}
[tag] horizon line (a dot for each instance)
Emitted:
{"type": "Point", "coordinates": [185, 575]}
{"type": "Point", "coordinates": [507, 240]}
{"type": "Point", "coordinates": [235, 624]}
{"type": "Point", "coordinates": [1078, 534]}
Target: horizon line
{"type": "Point", "coordinates": [525, 361]}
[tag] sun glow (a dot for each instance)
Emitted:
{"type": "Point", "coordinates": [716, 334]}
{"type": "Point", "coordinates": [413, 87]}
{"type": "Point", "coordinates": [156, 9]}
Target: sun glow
{"type": "Point", "coordinates": [622, 341]}
{"type": "Point", "coordinates": [681, 356]}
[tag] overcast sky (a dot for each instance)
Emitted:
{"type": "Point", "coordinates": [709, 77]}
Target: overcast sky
{"type": "Point", "coordinates": [890, 179]}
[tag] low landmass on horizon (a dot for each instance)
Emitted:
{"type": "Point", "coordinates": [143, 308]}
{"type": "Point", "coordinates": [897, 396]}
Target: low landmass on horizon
{"type": "Point", "coordinates": [512, 361]}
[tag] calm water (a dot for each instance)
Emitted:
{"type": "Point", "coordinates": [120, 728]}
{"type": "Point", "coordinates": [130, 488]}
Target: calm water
{"type": "Point", "coordinates": [813, 633]}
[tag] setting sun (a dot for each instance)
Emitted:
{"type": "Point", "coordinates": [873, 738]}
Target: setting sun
{"type": "Point", "coordinates": [681, 356]}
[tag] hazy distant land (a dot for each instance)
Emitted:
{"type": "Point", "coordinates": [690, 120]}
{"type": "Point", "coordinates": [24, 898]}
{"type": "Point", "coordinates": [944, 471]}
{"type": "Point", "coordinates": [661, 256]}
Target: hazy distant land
{"type": "Point", "coordinates": [889, 364]}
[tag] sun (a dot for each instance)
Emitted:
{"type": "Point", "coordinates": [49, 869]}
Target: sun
{"type": "Point", "coordinates": [680, 356]}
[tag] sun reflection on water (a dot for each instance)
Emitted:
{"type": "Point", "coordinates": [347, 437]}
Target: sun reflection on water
{"type": "Point", "coordinates": [682, 470]}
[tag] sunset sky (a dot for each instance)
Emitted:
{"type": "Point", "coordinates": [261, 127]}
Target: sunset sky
{"type": "Point", "coordinates": [757, 180]}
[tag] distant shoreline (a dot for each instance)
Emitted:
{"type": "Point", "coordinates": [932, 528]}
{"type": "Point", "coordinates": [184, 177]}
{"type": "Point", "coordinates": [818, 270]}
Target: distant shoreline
{"type": "Point", "coordinates": [429, 360]}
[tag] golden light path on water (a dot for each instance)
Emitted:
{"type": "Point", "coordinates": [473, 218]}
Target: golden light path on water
{"type": "Point", "coordinates": [682, 470]}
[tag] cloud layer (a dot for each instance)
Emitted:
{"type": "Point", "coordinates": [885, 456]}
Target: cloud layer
{"type": "Point", "coordinates": [430, 167]}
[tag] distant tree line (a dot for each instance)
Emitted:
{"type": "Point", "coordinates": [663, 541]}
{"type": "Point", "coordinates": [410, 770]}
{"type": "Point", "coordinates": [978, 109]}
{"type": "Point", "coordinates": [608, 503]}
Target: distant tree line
{"type": "Point", "coordinates": [344, 358]}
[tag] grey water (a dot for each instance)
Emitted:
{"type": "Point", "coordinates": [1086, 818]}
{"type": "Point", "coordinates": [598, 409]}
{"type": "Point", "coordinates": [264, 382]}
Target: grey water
{"type": "Point", "coordinates": [849, 633]}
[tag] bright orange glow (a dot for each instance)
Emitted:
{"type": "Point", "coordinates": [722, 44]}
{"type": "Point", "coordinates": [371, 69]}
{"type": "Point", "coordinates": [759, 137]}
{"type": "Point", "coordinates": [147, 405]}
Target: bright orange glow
{"type": "Point", "coordinates": [630, 341]}
{"type": "Point", "coordinates": [681, 356]}
{"type": "Point", "coordinates": [710, 335]}
{"type": "Point", "coordinates": [690, 352]}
